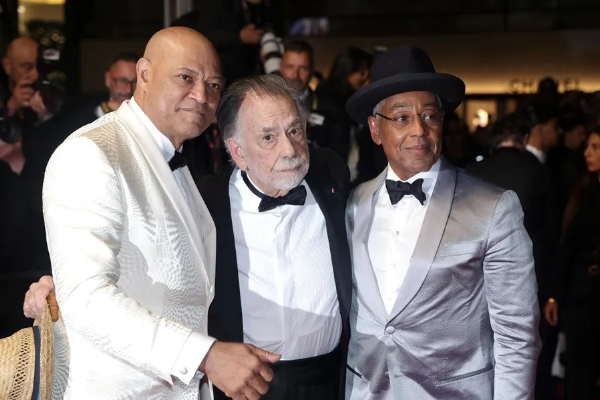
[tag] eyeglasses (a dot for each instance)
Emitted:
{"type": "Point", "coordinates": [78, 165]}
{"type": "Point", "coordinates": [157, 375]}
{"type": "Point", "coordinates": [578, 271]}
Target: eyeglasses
{"type": "Point", "coordinates": [125, 82]}
{"type": "Point", "coordinates": [430, 118]}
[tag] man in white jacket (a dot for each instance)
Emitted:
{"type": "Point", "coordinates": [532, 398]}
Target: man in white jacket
{"type": "Point", "coordinates": [133, 245]}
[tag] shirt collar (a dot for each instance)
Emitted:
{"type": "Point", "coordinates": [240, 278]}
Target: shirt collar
{"type": "Point", "coordinates": [250, 201]}
{"type": "Point", "coordinates": [429, 177]}
{"type": "Point", "coordinates": [537, 153]}
{"type": "Point", "coordinates": [164, 144]}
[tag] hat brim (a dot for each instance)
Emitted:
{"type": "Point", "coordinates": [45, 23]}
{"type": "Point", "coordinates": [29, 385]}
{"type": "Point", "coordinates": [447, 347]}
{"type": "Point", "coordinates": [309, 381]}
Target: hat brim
{"type": "Point", "coordinates": [449, 88]}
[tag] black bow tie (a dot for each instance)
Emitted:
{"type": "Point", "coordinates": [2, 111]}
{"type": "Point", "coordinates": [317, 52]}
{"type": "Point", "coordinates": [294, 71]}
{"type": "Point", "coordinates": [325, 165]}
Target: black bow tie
{"type": "Point", "coordinates": [177, 161]}
{"type": "Point", "coordinates": [295, 197]}
{"type": "Point", "coordinates": [398, 189]}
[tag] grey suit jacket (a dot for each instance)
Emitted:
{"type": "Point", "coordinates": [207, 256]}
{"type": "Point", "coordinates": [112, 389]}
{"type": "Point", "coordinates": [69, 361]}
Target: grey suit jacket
{"type": "Point", "coordinates": [464, 325]}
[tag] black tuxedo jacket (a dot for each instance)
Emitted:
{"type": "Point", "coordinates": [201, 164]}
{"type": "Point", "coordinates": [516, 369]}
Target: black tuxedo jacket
{"type": "Point", "coordinates": [328, 179]}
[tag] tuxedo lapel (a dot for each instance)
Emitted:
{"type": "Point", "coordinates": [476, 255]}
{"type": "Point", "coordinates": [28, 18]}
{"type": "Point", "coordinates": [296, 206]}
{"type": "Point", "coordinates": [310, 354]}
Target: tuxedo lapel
{"type": "Point", "coordinates": [430, 236]}
{"type": "Point", "coordinates": [331, 199]}
{"type": "Point", "coordinates": [363, 269]}
{"type": "Point", "coordinates": [225, 315]}
{"type": "Point", "coordinates": [161, 169]}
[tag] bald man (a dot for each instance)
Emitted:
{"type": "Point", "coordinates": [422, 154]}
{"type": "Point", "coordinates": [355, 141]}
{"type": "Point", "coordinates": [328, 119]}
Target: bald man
{"type": "Point", "coordinates": [20, 65]}
{"type": "Point", "coordinates": [133, 245]}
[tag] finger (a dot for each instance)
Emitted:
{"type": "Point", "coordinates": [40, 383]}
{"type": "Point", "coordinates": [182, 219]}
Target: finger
{"type": "Point", "coordinates": [251, 393]}
{"type": "Point", "coordinates": [266, 356]}
{"type": "Point", "coordinates": [259, 384]}
{"type": "Point", "coordinates": [265, 372]}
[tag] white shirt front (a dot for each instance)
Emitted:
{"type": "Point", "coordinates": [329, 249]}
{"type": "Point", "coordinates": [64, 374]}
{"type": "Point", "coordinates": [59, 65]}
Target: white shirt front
{"type": "Point", "coordinates": [287, 288]}
{"type": "Point", "coordinates": [394, 232]}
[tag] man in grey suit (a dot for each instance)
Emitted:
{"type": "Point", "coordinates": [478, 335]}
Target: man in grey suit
{"type": "Point", "coordinates": [445, 296]}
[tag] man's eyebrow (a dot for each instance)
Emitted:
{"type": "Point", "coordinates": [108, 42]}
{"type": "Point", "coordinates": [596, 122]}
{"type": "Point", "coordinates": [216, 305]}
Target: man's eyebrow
{"type": "Point", "coordinates": [187, 70]}
{"type": "Point", "coordinates": [267, 129]}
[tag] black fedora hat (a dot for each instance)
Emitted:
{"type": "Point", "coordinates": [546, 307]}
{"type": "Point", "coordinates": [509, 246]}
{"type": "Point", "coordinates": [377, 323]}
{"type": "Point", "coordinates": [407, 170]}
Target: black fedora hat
{"type": "Point", "coordinates": [400, 70]}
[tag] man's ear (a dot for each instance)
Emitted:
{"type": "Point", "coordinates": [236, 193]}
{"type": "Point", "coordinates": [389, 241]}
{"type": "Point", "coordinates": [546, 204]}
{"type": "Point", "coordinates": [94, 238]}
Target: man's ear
{"type": "Point", "coordinates": [107, 79]}
{"type": "Point", "coordinates": [6, 65]}
{"type": "Point", "coordinates": [237, 153]}
{"type": "Point", "coordinates": [374, 128]}
{"type": "Point", "coordinates": [142, 69]}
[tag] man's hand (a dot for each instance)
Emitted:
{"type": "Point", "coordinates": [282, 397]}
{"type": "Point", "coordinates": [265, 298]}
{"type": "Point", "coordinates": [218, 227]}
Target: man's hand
{"type": "Point", "coordinates": [37, 105]}
{"type": "Point", "coordinates": [250, 35]}
{"type": "Point", "coordinates": [551, 312]}
{"type": "Point", "coordinates": [239, 370]}
{"type": "Point", "coordinates": [21, 96]}
{"type": "Point", "coordinates": [35, 298]}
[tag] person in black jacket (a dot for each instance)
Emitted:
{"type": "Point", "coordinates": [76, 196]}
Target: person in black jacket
{"type": "Point", "coordinates": [283, 274]}
{"type": "Point", "coordinates": [511, 167]}
{"type": "Point", "coordinates": [349, 72]}
{"type": "Point", "coordinates": [235, 28]}
{"type": "Point", "coordinates": [576, 288]}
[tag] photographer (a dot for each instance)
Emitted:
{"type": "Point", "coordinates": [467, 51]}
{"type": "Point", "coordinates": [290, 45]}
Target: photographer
{"type": "Point", "coordinates": [31, 114]}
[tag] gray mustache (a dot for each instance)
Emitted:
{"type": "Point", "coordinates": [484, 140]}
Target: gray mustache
{"type": "Point", "coordinates": [289, 163]}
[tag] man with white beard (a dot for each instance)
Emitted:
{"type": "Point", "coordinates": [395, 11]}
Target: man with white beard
{"type": "Point", "coordinates": [283, 273]}
{"type": "Point", "coordinates": [283, 266]}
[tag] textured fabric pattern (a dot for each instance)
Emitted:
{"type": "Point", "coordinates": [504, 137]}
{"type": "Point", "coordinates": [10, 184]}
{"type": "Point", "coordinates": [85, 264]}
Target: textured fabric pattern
{"type": "Point", "coordinates": [464, 325]}
{"type": "Point", "coordinates": [133, 278]}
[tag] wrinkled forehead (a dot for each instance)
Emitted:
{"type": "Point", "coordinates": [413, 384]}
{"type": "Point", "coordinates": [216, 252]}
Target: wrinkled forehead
{"type": "Point", "coordinates": [412, 99]}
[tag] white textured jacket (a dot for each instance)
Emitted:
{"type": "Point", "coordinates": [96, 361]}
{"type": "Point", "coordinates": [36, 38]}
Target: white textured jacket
{"type": "Point", "coordinates": [133, 265]}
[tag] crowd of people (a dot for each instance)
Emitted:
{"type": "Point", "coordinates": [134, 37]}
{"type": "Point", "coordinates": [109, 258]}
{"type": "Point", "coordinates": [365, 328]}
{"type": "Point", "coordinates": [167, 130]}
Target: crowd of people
{"type": "Point", "coordinates": [213, 231]}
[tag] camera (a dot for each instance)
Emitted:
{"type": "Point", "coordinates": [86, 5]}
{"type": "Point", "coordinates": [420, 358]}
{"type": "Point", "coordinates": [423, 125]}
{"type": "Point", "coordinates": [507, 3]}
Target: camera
{"type": "Point", "coordinates": [272, 49]}
{"type": "Point", "coordinates": [52, 78]}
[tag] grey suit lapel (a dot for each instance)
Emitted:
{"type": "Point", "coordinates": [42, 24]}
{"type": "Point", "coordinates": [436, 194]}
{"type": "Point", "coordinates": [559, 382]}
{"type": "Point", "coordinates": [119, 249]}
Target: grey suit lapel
{"type": "Point", "coordinates": [429, 237]}
{"type": "Point", "coordinates": [363, 269]}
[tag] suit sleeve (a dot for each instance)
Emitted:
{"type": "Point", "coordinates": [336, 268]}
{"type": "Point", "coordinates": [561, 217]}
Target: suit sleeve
{"type": "Point", "coordinates": [85, 221]}
{"type": "Point", "coordinates": [511, 291]}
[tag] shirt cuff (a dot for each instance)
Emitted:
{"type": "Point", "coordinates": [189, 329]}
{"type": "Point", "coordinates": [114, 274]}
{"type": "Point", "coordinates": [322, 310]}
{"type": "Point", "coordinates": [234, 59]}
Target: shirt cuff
{"type": "Point", "coordinates": [190, 357]}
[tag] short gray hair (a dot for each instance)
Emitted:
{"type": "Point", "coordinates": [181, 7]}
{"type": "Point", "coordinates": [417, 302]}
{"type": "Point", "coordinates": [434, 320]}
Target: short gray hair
{"type": "Point", "coordinates": [261, 85]}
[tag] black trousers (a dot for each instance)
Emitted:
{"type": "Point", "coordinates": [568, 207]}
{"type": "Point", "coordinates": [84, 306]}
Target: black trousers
{"type": "Point", "coordinates": [315, 378]}
{"type": "Point", "coordinates": [582, 329]}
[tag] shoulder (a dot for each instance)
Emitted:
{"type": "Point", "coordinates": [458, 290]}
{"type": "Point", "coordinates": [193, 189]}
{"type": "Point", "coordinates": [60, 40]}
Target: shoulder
{"type": "Point", "coordinates": [327, 159]}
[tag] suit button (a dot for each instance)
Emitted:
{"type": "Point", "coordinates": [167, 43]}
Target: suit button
{"type": "Point", "coordinates": [183, 370]}
{"type": "Point", "coordinates": [387, 375]}
{"type": "Point", "coordinates": [390, 330]}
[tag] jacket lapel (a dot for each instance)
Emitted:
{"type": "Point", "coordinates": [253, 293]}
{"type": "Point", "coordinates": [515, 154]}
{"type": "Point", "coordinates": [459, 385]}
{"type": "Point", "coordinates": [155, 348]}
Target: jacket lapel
{"type": "Point", "coordinates": [363, 269]}
{"type": "Point", "coordinates": [430, 236]}
{"type": "Point", "coordinates": [329, 196]}
{"type": "Point", "coordinates": [225, 320]}
{"type": "Point", "coordinates": [165, 176]}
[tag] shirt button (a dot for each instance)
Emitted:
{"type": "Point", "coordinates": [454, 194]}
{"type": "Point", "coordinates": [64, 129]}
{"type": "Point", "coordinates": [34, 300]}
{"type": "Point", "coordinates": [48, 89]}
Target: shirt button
{"type": "Point", "coordinates": [390, 329]}
{"type": "Point", "coordinates": [183, 370]}
{"type": "Point", "coordinates": [396, 233]}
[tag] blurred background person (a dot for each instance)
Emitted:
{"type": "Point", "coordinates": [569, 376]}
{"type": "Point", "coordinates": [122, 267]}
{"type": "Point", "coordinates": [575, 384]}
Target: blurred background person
{"type": "Point", "coordinates": [235, 27]}
{"type": "Point", "coordinates": [566, 161]}
{"type": "Point", "coordinates": [576, 289]}
{"type": "Point", "coordinates": [542, 117]}
{"type": "Point", "coordinates": [511, 167]}
{"type": "Point", "coordinates": [349, 72]}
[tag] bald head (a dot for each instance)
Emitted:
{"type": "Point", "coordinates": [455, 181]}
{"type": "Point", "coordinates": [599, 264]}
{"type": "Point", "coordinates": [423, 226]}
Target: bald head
{"type": "Point", "coordinates": [20, 61]}
{"type": "Point", "coordinates": [179, 83]}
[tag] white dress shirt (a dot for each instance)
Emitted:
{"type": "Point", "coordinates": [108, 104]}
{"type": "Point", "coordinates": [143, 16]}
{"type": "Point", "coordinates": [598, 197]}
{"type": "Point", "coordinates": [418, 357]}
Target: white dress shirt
{"type": "Point", "coordinates": [287, 289]}
{"type": "Point", "coordinates": [540, 155]}
{"type": "Point", "coordinates": [394, 232]}
{"type": "Point", "coordinates": [191, 355]}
